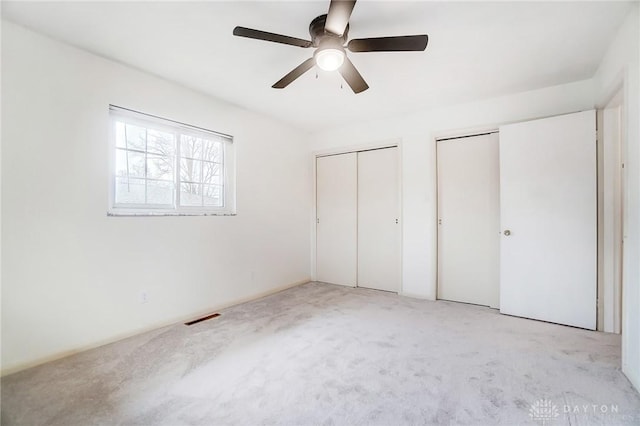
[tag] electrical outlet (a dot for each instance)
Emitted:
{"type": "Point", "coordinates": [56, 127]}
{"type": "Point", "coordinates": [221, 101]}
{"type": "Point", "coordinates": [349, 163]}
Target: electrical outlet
{"type": "Point", "coordinates": [144, 296]}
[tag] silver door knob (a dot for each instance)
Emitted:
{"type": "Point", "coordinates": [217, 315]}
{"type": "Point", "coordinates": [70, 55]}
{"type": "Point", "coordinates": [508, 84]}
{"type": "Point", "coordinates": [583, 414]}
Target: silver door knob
{"type": "Point", "coordinates": [507, 232]}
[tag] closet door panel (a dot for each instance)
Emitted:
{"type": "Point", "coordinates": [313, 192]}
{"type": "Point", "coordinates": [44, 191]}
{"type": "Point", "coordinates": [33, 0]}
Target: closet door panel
{"type": "Point", "coordinates": [336, 221]}
{"type": "Point", "coordinates": [469, 220]}
{"type": "Point", "coordinates": [378, 214]}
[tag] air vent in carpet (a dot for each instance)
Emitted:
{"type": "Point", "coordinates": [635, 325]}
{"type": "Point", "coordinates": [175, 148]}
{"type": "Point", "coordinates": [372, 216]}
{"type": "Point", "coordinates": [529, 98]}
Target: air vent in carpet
{"type": "Point", "coordinates": [195, 321]}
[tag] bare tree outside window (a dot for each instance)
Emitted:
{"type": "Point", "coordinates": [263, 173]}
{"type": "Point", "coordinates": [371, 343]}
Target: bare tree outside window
{"type": "Point", "coordinates": [201, 165]}
{"type": "Point", "coordinates": [145, 161]}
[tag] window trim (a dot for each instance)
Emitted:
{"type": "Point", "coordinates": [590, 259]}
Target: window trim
{"type": "Point", "coordinates": [177, 128]}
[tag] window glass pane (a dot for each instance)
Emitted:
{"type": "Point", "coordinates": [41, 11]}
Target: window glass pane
{"type": "Point", "coordinates": [121, 162]}
{"type": "Point", "coordinates": [129, 163]}
{"type": "Point", "coordinates": [135, 137]}
{"type": "Point", "coordinates": [159, 192]}
{"type": "Point", "coordinates": [129, 191]}
{"type": "Point", "coordinates": [211, 173]}
{"type": "Point", "coordinates": [190, 194]}
{"type": "Point", "coordinates": [120, 134]}
{"type": "Point", "coordinates": [212, 151]}
{"type": "Point", "coordinates": [159, 167]}
{"type": "Point", "coordinates": [190, 170]}
{"type": "Point", "coordinates": [213, 196]}
{"type": "Point", "coordinates": [160, 142]}
{"type": "Point", "coordinates": [190, 147]}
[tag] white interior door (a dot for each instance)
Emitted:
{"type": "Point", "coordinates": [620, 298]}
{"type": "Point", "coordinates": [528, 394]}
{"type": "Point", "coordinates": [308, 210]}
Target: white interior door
{"type": "Point", "coordinates": [336, 221]}
{"type": "Point", "coordinates": [469, 220]}
{"type": "Point", "coordinates": [378, 217]}
{"type": "Point", "coordinates": [548, 205]}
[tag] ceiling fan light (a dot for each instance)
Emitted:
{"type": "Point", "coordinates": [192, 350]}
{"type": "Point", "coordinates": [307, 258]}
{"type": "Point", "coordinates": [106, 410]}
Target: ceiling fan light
{"type": "Point", "coordinates": [329, 59]}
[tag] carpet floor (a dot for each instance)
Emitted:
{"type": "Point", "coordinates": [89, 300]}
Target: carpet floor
{"type": "Point", "coordinates": [320, 354]}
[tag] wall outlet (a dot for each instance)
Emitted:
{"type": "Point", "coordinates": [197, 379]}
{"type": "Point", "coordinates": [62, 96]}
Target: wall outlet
{"type": "Point", "coordinates": [144, 296]}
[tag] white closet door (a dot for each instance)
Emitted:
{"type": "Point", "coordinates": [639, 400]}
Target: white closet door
{"type": "Point", "coordinates": [548, 205]}
{"type": "Point", "coordinates": [378, 227]}
{"type": "Point", "coordinates": [469, 220]}
{"type": "Point", "coordinates": [336, 222]}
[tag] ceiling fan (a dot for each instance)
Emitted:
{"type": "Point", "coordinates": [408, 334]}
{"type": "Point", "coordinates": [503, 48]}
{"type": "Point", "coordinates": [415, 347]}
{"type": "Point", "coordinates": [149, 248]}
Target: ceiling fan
{"type": "Point", "coordinates": [328, 36]}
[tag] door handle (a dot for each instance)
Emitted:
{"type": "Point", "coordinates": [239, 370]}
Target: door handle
{"type": "Point", "coordinates": [506, 232]}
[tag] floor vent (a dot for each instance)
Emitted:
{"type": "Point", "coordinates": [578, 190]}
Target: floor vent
{"type": "Point", "coordinates": [195, 321]}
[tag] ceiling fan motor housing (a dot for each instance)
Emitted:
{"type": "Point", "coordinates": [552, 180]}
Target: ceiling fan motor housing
{"type": "Point", "coordinates": [318, 34]}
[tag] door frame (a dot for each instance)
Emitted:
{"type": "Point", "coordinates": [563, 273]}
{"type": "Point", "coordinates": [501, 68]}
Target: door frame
{"type": "Point", "coordinates": [611, 224]}
{"type": "Point", "coordinates": [388, 143]}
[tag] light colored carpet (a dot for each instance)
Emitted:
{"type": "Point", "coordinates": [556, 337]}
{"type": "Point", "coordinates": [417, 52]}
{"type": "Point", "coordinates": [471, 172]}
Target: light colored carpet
{"type": "Point", "coordinates": [320, 354]}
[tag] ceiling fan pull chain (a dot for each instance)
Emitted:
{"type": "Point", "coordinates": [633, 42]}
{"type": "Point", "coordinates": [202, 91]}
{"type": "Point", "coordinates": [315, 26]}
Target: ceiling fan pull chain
{"type": "Point", "coordinates": [316, 74]}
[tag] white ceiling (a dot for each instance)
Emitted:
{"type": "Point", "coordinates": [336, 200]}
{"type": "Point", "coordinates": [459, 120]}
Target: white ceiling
{"type": "Point", "coordinates": [476, 50]}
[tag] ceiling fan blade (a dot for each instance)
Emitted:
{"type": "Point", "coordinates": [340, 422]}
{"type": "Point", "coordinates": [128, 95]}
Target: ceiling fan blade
{"type": "Point", "coordinates": [276, 38]}
{"type": "Point", "coordinates": [412, 43]}
{"type": "Point", "coordinates": [352, 76]}
{"type": "Point", "coordinates": [295, 73]}
{"type": "Point", "coordinates": [338, 16]}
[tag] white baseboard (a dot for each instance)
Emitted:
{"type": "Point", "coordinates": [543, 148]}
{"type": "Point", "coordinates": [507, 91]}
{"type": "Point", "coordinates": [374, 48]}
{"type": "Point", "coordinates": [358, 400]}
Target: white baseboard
{"type": "Point", "coordinates": [122, 336]}
{"type": "Point", "coordinates": [417, 296]}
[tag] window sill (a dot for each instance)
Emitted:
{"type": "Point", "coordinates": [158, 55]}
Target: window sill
{"type": "Point", "coordinates": [129, 213]}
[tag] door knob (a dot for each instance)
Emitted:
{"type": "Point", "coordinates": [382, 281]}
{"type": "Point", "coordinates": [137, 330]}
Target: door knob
{"type": "Point", "coordinates": [507, 232]}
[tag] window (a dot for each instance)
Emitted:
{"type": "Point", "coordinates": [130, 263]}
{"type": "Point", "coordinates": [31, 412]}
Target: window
{"type": "Point", "coordinates": [164, 167]}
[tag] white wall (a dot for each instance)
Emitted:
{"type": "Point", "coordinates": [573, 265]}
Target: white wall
{"type": "Point", "coordinates": [418, 132]}
{"type": "Point", "coordinates": [71, 276]}
{"type": "Point", "coordinates": [620, 66]}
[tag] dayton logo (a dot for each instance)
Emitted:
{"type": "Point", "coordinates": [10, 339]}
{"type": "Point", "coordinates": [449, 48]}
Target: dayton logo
{"type": "Point", "coordinates": [543, 411]}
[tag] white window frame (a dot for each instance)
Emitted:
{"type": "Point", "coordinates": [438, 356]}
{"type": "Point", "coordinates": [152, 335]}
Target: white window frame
{"type": "Point", "coordinates": [157, 123]}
